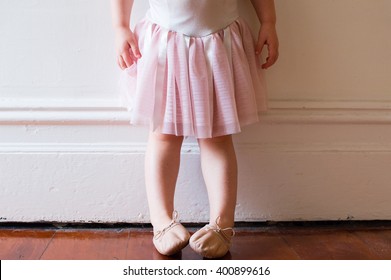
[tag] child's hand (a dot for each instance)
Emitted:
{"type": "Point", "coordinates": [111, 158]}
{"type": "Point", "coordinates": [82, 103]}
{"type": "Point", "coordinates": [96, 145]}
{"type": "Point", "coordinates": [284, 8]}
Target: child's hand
{"type": "Point", "coordinates": [268, 36]}
{"type": "Point", "coordinates": [127, 47]}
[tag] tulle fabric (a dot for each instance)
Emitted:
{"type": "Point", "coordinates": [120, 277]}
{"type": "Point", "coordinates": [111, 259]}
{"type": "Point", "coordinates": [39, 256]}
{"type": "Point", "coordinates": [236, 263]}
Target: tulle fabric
{"type": "Point", "coordinates": [194, 86]}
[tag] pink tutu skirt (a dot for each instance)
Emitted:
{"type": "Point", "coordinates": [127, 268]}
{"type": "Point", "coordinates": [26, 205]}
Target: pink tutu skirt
{"type": "Point", "coordinates": [194, 86]}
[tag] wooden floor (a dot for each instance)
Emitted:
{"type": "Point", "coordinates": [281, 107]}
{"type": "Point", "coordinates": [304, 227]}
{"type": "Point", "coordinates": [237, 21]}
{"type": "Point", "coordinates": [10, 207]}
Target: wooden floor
{"type": "Point", "coordinates": [271, 243]}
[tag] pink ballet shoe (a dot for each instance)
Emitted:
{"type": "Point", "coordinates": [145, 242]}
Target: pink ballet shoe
{"type": "Point", "coordinates": [172, 238]}
{"type": "Point", "coordinates": [211, 241]}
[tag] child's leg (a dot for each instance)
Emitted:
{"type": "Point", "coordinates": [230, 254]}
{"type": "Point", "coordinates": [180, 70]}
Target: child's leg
{"type": "Point", "coordinates": [219, 167]}
{"type": "Point", "coordinates": [162, 160]}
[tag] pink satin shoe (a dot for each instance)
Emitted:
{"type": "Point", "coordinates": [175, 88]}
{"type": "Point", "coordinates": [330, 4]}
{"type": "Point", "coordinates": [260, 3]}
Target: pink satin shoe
{"type": "Point", "coordinates": [171, 239]}
{"type": "Point", "coordinates": [211, 241]}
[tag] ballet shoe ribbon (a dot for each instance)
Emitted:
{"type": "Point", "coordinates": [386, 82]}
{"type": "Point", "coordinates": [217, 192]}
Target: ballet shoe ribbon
{"type": "Point", "coordinates": [222, 231]}
{"type": "Point", "coordinates": [173, 223]}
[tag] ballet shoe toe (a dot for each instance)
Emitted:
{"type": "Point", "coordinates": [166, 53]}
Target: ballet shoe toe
{"type": "Point", "coordinates": [212, 241]}
{"type": "Point", "coordinates": [171, 239]}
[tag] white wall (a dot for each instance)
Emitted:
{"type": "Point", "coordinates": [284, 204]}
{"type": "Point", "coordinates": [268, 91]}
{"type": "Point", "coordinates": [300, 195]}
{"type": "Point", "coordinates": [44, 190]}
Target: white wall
{"type": "Point", "coordinates": [67, 153]}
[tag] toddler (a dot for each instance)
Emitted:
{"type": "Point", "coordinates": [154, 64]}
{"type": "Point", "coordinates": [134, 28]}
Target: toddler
{"type": "Point", "coordinates": [192, 68]}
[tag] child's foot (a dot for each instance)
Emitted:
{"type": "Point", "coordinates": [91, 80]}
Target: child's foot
{"type": "Point", "coordinates": [211, 241]}
{"type": "Point", "coordinates": [171, 239]}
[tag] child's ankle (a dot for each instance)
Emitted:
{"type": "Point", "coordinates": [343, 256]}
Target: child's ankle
{"type": "Point", "coordinates": [161, 221]}
{"type": "Point", "coordinates": [222, 222]}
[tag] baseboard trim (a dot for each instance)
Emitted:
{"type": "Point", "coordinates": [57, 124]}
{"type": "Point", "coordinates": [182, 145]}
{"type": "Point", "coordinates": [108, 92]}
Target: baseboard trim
{"type": "Point", "coordinates": [64, 116]}
{"type": "Point", "coordinates": [120, 116]}
{"type": "Point", "coordinates": [330, 104]}
{"type": "Point", "coordinates": [85, 148]}
{"type": "Point", "coordinates": [327, 116]}
{"type": "Point", "coordinates": [190, 148]}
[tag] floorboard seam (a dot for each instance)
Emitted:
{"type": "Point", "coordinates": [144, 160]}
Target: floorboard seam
{"type": "Point", "coordinates": [47, 245]}
{"type": "Point", "coordinates": [288, 244]}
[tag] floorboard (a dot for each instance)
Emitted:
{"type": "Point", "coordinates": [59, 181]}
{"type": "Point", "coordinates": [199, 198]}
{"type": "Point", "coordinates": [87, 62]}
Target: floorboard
{"type": "Point", "coordinates": [262, 243]}
{"type": "Point", "coordinates": [88, 245]}
{"type": "Point", "coordinates": [24, 244]}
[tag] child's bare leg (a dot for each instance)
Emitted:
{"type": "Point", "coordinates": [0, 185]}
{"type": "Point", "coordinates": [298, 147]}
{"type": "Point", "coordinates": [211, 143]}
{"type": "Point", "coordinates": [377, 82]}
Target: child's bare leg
{"type": "Point", "coordinates": [219, 167]}
{"type": "Point", "coordinates": [162, 160]}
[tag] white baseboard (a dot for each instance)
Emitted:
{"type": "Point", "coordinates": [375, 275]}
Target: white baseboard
{"type": "Point", "coordinates": [102, 111]}
{"type": "Point", "coordinates": [68, 165]}
{"type": "Point", "coordinates": [330, 104]}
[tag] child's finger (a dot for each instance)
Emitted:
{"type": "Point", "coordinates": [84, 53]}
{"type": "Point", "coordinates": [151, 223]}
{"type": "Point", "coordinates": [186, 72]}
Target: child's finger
{"type": "Point", "coordinates": [127, 58]}
{"type": "Point", "coordinates": [121, 62]}
{"type": "Point", "coordinates": [267, 64]}
{"type": "Point", "coordinates": [272, 57]}
{"type": "Point", "coordinates": [135, 50]}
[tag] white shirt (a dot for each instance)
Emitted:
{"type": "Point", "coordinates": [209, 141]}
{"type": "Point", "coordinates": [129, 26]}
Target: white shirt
{"type": "Point", "coordinates": [193, 17]}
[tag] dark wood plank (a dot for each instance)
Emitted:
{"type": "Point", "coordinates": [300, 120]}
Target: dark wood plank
{"type": "Point", "coordinates": [139, 246]}
{"type": "Point", "coordinates": [377, 240]}
{"type": "Point", "coordinates": [260, 246]}
{"type": "Point", "coordinates": [327, 244]}
{"type": "Point", "coordinates": [23, 244]}
{"type": "Point", "coordinates": [87, 245]}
